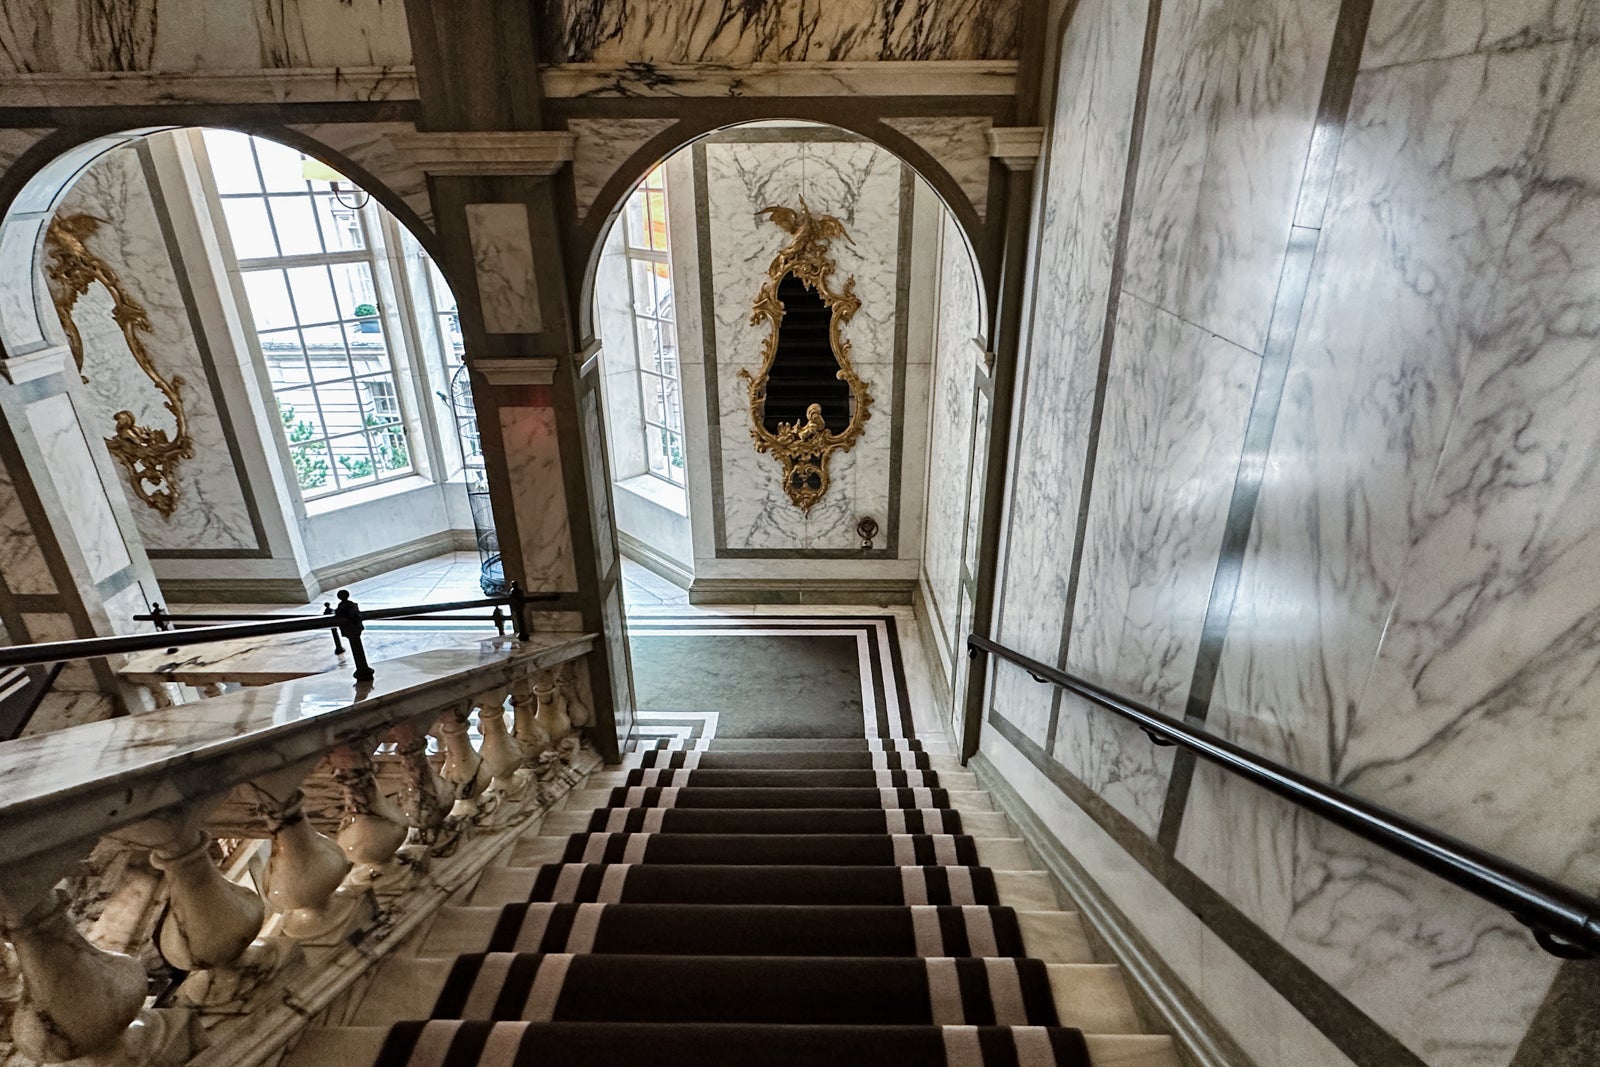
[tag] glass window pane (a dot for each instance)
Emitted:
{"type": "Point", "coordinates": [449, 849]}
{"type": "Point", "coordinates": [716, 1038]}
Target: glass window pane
{"type": "Point", "coordinates": [643, 289]}
{"type": "Point", "coordinates": [356, 295]}
{"type": "Point", "coordinates": [285, 359]}
{"type": "Point", "coordinates": [311, 468]}
{"type": "Point", "coordinates": [354, 460]}
{"type": "Point", "coordinates": [635, 226]}
{"type": "Point", "coordinates": [232, 165]}
{"type": "Point", "coordinates": [297, 410]}
{"type": "Point", "coordinates": [662, 277]}
{"type": "Point", "coordinates": [281, 167]}
{"type": "Point", "coordinates": [268, 297]}
{"type": "Point", "coordinates": [656, 449]}
{"type": "Point", "coordinates": [341, 226]}
{"type": "Point", "coordinates": [654, 403]}
{"type": "Point", "coordinates": [389, 450]}
{"type": "Point", "coordinates": [675, 457]}
{"type": "Point", "coordinates": [381, 400]}
{"type": "Point", "coordinates": [313, 294]}
{"type": "Point", "coordinates": [673, 403]}
{"type": "Point", "coordinates": [649, 334]}
{"type": "Point", "coordinates": [297, 229]}
{"type": "Point", "coordinates": [657, 202]}
{"type": "Point", "coordinates": [341, 408]}
{"type": "Point", "coordinates": [248, 228]}
{"type": "Point", "coordinates": [325, 349]}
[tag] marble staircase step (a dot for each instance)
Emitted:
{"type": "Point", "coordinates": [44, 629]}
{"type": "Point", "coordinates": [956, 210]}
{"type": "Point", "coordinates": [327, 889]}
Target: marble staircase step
{"type": "Point", "coordinates": [819, 848]}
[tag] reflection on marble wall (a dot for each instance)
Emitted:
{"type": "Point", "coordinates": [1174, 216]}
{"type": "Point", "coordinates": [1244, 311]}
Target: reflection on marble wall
{"type": "Point", "coordinates": [502, 254]}
{"type": "Point", "coordinates": [1176, 403]}
{"type": "Point", "coordinates": [1210, 223]}
{"type": "Point", "coordinates": [75, 36]}
{"type": "Point", "coordinates": [950, 440]}
{"type": "Point", "coordinates": [54, 422]}
{"type": "Point", "coordinates": [533, 456]}
{"type": "Point", "coordinates": [211, 512]}
{"type": "Point", "coordinates": [862, 185]}
{"type": "Point", "coordinates": [766, 31]}
{"type": "Point", "coordinates": [1087, 150]}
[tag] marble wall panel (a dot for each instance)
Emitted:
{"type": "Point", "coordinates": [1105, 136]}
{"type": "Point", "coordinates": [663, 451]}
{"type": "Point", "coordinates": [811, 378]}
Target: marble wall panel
{"type": "Point", "coordinates": [502, 254]}
{"type": "Point", "coordinates": [603, 146]}
{"type": "Point", "coordinates": [950, 440]}
{"type": "Point", "coordinates": [533, 456]}
{"type": "Point", "coordinates": [1233, 103]}
{"type": "Point", "coordinates": [614, 324]}
{"type": "Point", "coordinates": [1409, 31]}
{"type": "Point", "coordinates": [1417, 494]}
{"type": "Point", "coordinates": [1081, 200]}
{"type": "Point", "coordinates": [212, 512]}
{"type": "Point", "coordinates": [599, 491]}
{"type": "Point", "coordinates": [20, 325]}
{"type": "Point", "coordinates": [368, 145]}
{"type": "Point", "coordinates": [25, 568]}
{"type": "Point", "coordinates": [76, 36]}
{"type": "Point", "coordinates": [960, 144]}
{"type": "Point", "coordinates": [694, 31]}
{"type": "Point", "coordinates": [88, 514]}
{"type": "Point", "coordinates": [861, 184]}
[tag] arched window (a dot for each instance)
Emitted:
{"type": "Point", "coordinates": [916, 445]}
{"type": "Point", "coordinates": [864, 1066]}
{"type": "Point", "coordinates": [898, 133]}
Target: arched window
{"type": "Point", "coordinates": [648, 251]}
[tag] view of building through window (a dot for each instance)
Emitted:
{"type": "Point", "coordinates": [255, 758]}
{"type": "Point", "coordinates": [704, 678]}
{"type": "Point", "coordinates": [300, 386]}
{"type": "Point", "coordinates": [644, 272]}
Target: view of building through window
{"type": "Point", "coordinates": [302, 237]}
{"type": "Point", "coordinates": [650, 281]}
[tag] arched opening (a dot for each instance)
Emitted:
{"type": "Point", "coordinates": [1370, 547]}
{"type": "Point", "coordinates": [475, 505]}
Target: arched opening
{"type": "Point", "coordinates": [265, 350]}
{"type": "Point", "coordinates": [706, 261]}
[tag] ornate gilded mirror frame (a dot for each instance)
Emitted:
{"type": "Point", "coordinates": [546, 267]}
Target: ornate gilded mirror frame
{"type": "Point", "coordinates": [150, 456]}
{"type": "Point", "coordinates": [805, 447]}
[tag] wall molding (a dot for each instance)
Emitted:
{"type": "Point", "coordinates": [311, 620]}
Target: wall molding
{"type": "Point", "coordinates": [877, 591]}
{"type": "Point", "coordinates": [392, 558]}
{"type": "Point", "coordinates": [537, 153]}
{"type": "Point", "coordinates": [1205, 1042]}
{"type": "Point", "coordinates": [654, 560]}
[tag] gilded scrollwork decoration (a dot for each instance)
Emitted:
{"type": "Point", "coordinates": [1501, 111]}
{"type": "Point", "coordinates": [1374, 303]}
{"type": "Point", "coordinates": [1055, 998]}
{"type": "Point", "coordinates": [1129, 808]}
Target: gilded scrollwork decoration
{"type": "Point", "coordinates": [803, 446]}
{"type": "Point", "coordinates": [149, 454]}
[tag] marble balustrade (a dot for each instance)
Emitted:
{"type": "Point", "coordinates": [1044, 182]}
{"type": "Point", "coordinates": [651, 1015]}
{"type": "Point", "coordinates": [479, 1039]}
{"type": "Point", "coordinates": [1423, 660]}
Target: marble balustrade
{"type": "Point", "coordinates": [341, 828]}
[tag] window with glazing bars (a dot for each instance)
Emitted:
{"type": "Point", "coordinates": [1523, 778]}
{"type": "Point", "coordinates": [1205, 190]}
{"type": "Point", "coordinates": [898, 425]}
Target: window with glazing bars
{"type": "Point", "coordinates": [655, 328]}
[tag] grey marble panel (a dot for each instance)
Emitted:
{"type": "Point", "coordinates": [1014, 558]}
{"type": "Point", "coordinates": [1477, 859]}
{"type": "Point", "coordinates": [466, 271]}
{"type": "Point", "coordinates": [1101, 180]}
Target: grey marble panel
{"type": "Point", "coordinates": [1409, 31]}
{"type": "Point", "coordinates": [87, 514]}
{"type": "Point", "coordinates": [695, 31]}
{"type": "Point", "coordinates": [25, 568]}
{"type": "Point", "coordinates": [1233, 102]}
{"type": "Point", "coordinates": [1369, 490]}
{"type": "Point", "coordinates": [950, 439]}
{"type": "Point", "coordinates": [859, 183]}
{"type": "Point", "coordinates": [126, 35]}
{"type": "Point", "coordinates": [603, 146]}
{"type": "Point", "coordinates": [502, 253]}
{"type": "Point", "coordinates": [1087, 154]}
{"type": "Point", "coordinates": [960, 144]}
{"type": "Point", "coordinates": [19, 257]}
{"type": "Point", "coordinates": [368, 145]}
{"type": "Point", "coordinates": [533, 456]}
{"type": "Point", "coordinates": [212, 512]}
{"type": "Point", "coordinates": [599, 491]}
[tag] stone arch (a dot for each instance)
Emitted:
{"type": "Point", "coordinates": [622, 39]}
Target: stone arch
{"type": "Point", "coordinates": [34, 186]}
{"type": "Point", "coordinates": [608, 202]}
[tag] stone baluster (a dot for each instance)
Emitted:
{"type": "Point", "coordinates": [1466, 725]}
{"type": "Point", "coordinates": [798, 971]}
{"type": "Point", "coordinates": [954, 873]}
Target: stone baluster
{"type": "Point", "coordinates": [78, 1000]}
{"type": "Point", "coordinates": [502, 757]}
{"type": "Point", "coordinates": [427, 797]}
{"type": "Point", "coordinates": [373, 828]}
{"type": "Point", "coordinates": [305, 869]}
{"type": "Point", "coordinates": [578, 710]}
{"type": "Point", "coordinates": [532, 737]}
{"type": "Point", "coordinates": [463, 767]}
{"type": "Point", "coordinates": [552, 713]}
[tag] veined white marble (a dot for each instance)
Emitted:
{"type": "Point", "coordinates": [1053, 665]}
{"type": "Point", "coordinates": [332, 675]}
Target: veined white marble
{"type": "Point", "coordinates": [599, 490]}
{"type": "Point", "coordinates": [534, 457]}
{"type": "Point", "coordinates": [961, 144]}
{"type": "Point", "coordinates": [1233, 103]}
{"type": "Point", "coordinates": [87, 512]}
{"type": "Point", "coordinates": [19, 258]}
{"type": "Point", "coordinates": [211, 512]}
{"type": "Point", "coordinates": [25, 568]}
{"type": "Point", "coordinates": [619, 361]}
{"type": "Point", "coordinates": [73, 36]}
{"type": "Point", "coordinates": [1072, 266]}
{"type": "Point", "coordinates": [860, 183]}
{"type": "Point", "coordinates": [126, 88]}
{"type": "Point", "coordinates": [603, 146]}
{"type": "Point", "coordinates": [141, 764]}
{"type": "Point", "coordinates": [369, 145]}
{"type": "Point", "coordinates": [928, 77]}
{"type": "Point", "coordinates": [502, 252]}
{"type": "Point", "coordinates": [14, 142]}
{"type": "Point", "coordinates": [949, 458]}
{"type": "Point", "coordinates": [1176, 405]}
{"type": "Point", "coordinates": [1409, 31]}
{"type": "Point", "coordinates": [1384, 632]}
{"type": "Point", "coordinates": [694, 31]}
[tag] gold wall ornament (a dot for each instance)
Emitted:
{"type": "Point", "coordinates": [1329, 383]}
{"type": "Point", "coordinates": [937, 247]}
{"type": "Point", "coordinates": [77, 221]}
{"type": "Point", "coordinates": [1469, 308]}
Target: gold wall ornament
{"type": "Point", "coordinates": [149, 454]}
{"type": "Point", "coordinates": [804, 446]}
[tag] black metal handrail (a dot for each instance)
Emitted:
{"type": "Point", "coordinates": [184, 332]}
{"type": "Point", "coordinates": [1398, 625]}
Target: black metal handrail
{"type": "Point", "coordinates": [1564, 922]}
{"type": "Point", "coordinates": [348, 618]}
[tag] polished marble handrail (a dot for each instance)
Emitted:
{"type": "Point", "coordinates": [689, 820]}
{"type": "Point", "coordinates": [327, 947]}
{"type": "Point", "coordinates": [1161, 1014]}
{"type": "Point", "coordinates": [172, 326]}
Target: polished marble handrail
{"type": "Point", "coordinates": [1564, 922]}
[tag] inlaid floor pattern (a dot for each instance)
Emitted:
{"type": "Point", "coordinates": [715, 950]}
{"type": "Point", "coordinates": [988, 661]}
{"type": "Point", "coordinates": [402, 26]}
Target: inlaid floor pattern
{"type": "Point", "coordinates": [775, 903]}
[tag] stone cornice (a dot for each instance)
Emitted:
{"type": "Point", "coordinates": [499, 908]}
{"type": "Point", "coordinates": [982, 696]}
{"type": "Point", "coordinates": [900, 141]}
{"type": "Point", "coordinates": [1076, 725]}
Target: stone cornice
{"type": "Point", "coordinates": [503, 152]}
{"type": "Point", "coordinates": [1017, 147]}
{"type": "Point", "coordinates": [525, 370]}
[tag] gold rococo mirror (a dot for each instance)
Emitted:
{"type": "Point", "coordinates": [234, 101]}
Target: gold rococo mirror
{"type": "Point", "coordinates": [806, 400]}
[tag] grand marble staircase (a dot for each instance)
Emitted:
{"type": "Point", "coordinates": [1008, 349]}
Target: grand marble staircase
{"type": "Point", "coordinates": [769, 902]}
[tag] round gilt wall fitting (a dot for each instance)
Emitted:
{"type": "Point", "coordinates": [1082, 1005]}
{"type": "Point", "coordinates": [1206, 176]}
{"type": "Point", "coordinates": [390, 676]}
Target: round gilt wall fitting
{"type": "Point", "coordinates": [149, 454]}
{"type": "Point", "coordinates": [803, 271]}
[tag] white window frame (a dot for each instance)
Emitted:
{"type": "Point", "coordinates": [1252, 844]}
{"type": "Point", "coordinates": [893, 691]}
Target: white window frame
{"type": "Point", "coordinates": [649, 373]}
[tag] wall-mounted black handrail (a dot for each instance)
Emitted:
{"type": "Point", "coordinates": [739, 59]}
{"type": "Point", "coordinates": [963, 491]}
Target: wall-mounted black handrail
{"type": "Point", "coordinates": [348, 618]}
{"type": "Point", "coordinates": [1564, 922]}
